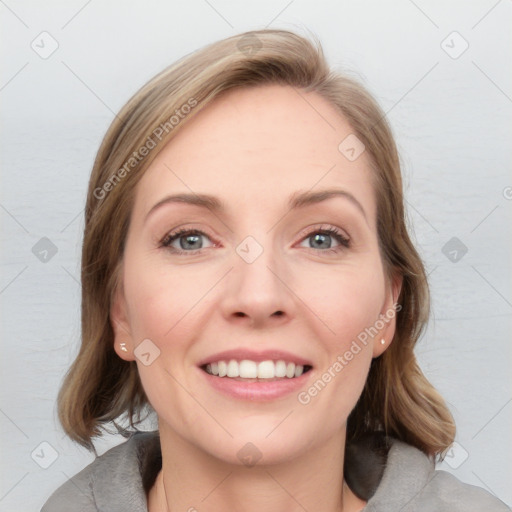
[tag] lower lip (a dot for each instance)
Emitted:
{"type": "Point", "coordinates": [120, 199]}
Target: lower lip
{"type": "Point", "coordinates": [256, 391]}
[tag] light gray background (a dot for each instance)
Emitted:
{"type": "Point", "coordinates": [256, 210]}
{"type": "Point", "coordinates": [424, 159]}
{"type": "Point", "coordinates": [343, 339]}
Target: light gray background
{"type": "Point", "coordinates": [452, 120]}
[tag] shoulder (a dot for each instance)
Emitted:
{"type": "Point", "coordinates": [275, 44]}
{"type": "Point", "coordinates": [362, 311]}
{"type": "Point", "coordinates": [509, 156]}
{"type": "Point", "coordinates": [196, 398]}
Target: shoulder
{"type": "Point", "coordinates": [410, 482]}
{"type": "Point", "coordinates": [113, 481]}
{"type": "Point", "coordinates": [445, 492]}
{"type": "Point", "coordinates": [75, 494]}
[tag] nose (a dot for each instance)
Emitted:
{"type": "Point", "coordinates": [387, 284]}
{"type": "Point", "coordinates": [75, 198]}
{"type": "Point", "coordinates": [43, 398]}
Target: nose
{"type": "Point", "coordinates": [258, 293]}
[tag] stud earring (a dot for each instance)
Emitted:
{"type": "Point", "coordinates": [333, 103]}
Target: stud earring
{"type": "Point", "coordinates": [383, 341]}
{"type": "Point", "coordinates": [123, 347]}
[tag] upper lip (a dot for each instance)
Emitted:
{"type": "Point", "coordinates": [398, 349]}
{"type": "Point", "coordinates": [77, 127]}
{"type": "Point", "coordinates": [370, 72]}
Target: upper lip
{"type": "Point", "coordinates": [239, 354]}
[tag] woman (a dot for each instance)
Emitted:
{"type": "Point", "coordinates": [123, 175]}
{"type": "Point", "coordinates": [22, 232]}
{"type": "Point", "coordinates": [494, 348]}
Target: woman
{"type": "Point", "coordinates": [247, 274]}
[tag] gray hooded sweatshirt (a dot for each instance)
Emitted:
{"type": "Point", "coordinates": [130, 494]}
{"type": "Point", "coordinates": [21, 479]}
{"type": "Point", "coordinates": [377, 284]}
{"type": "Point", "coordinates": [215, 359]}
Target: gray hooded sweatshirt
{"type": "Point", "coordinates": [117, 481]}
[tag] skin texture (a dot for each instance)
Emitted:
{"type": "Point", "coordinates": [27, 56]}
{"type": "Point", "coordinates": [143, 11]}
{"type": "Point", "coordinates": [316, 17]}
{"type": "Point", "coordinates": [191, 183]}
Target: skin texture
{"type": "Point", "coordinates": [253, 149]}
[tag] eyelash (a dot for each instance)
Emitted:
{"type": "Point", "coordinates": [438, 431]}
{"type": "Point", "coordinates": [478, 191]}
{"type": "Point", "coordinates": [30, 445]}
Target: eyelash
{"type": "Point", "coordinates": [331, 231]}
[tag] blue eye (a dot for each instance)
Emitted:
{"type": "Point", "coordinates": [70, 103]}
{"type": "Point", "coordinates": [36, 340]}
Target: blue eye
{"type": "Point", "coordinates": [322, 239]}
{"type": "Point", "coordinates": [189, 240]}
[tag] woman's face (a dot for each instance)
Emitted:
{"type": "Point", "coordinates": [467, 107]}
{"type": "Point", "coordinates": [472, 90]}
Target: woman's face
{"type": "Point", "coordinates": [257, 273]}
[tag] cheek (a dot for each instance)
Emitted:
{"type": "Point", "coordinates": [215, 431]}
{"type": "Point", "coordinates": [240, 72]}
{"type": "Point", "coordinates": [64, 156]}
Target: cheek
{"type": "Point", "coordinates": [161, 308]}
{"type": "Point", "coordinates": [346, 300]}
{"type": "Point", "coordinates": [159, 301]}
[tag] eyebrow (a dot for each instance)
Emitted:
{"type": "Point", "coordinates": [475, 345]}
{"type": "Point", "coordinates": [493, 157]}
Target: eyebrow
{"type": "Point", "coordinates": [296, 201]}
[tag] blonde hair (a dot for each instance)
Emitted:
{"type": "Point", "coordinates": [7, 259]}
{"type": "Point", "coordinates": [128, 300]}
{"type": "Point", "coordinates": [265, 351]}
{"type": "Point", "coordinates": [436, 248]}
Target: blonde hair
{"type": "Point", "coordinates": [100, 387]}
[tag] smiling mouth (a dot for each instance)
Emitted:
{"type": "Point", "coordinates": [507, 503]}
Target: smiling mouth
{"type": "Point", "coordinates": [252, 371]}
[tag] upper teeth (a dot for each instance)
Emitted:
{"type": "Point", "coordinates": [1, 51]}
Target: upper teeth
{"type": "Point", "coordinates": [247, 369]}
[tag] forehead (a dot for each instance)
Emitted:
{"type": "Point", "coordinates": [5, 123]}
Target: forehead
{"type": "Point", "coordinates": [259, 144]}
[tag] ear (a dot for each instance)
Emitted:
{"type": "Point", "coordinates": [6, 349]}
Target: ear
{"type": "Point", "coordinates": [387, 316]}
{"type": "Point", "coordinates": [123, 341]}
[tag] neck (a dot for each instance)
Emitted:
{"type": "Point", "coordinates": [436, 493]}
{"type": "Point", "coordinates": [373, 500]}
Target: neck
{"type": "Point", "coordinates": [191, 480]}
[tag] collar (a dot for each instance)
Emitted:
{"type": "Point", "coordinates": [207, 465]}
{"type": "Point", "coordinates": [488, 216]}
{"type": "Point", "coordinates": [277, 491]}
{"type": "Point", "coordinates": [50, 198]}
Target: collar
{"type": "Point", "coordinates": [127, 471]}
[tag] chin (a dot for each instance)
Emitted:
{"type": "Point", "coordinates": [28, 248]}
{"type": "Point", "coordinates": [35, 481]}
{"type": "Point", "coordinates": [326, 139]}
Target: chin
{"type": "Point", "coordinates": [264, 442]}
